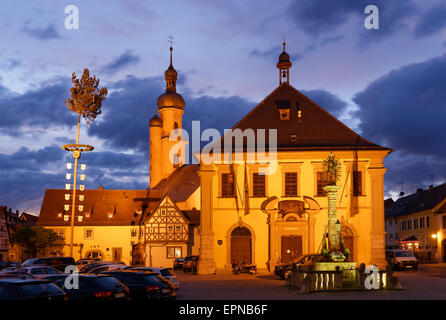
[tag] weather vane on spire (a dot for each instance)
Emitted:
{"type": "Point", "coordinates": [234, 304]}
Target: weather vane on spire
{"type": "Point", "coordinates": [284, 43]}
{"type": "Point", "coordinates": [170, 40]}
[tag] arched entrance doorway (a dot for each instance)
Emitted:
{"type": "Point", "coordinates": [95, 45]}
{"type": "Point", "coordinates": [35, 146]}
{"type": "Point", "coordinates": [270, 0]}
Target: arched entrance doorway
{"type": "Point", "coordinates": [241, 245]}
{"type": "Point", "coordinates": [94, 254]}
{"type": "Point", "coordinates": [347, 235]}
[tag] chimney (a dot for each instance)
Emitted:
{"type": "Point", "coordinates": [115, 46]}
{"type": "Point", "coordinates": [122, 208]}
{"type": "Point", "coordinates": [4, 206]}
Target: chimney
{"type": "Point", "coordinates": [419, 190]}
{"type": "Point", "coordinates": [431, 187]}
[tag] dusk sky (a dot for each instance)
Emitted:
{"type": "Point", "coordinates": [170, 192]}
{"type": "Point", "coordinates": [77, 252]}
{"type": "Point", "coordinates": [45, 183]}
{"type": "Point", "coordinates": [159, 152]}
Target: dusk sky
{"type": "Point", "coordinates": [389, 85]}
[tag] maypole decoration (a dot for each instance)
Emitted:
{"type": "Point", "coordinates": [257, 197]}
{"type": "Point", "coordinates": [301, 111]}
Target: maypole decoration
{"type": "Point", "coordinates": [86, 100]}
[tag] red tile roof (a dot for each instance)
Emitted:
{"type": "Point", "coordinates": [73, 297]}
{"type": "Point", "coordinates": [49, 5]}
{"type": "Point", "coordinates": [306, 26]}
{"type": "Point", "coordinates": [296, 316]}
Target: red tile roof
{"type": "Point", "coordinates": [316, 129]}
{"type": "Point", "coordinates": [127, 207]}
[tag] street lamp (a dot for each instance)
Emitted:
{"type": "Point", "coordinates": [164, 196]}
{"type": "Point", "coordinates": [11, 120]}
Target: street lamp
{"type": "Point", "coordinates": [434, 236]}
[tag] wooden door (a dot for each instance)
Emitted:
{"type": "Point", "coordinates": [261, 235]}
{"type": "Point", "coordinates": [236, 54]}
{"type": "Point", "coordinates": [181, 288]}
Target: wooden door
{"type": "Point", "coordinates": [291, 248]}
{"type": "Point", "coordinates": [117, 254]}
{"type": "Point", "coordinates": [241, 245]}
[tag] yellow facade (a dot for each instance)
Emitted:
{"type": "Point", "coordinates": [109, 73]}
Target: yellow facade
{"type": "Point", "coordinates": [363, 215]}
{"type": "Point", "coordinates": [111, 243]}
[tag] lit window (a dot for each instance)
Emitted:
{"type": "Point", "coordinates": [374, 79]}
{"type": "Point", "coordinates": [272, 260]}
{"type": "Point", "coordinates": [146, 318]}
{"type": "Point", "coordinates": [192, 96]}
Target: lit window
{"type": "Point", "coordinates": [170, 229]}
{"type": "Point", "coordinates": [174, 252]}
{"type": "Point", "coordinates": [177, 229]}
{"type": "Point", "coordinates": [88, 234]}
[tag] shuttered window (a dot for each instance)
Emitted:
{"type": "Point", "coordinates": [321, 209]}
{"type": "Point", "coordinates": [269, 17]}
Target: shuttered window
{"type": "Point", "coordinates": [357, 183]}
{"type": "Point", "coordinates": [258, 185]}
{"type": "Point", "coordinates": [291, 184]}
{"type": "Point", "coordinates": [322, 181]}
{"type": "Point", "coordinates": [227, 185]}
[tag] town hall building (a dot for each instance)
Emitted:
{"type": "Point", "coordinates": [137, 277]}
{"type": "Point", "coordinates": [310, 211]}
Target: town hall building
{"type": "Point", "coordinates": [232, 212]}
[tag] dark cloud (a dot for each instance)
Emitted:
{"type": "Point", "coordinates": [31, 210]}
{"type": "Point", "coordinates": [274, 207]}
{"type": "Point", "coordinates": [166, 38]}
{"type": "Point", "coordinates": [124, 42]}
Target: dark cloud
{"type": "Point", "coordinates": [317, 17]}
{"type": "Point", "coordinates": [42, 107]}
{"type": "Point", "coordinates": [124, 60]}
{"type": "Point", "coordinates": [125, 122]}
{"type": "Point", "coordinates": [406, 110]}
{"type": "Point", "coordinates": [42, 33]}
{"type": "Point", "coordinates": [26, 173]}
{"type": "Point", "coordinates": [431, 22]}
{"type": "Point", "coordinates": [330, 102]}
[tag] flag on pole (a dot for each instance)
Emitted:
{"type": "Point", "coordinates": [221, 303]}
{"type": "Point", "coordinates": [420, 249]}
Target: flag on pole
{"type": "Point", "coordinates": [246, 189]}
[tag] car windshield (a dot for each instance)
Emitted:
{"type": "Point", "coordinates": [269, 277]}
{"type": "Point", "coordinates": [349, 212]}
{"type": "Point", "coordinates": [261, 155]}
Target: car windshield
{"type": "Point", "coordinates": [153, 280]}
{"type": "Point", "coordinates": [35, 289]}
{"type": "Point", "coordinates": [28, 262]}
{"type": "Point", "coordinates": [167, 273]}
{"type": "Point", "coordinates": [403, 254]}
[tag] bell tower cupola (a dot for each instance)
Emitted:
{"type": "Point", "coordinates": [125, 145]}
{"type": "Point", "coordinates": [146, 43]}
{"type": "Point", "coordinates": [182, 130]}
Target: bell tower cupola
{"type": "Point", "coordinates": [284, 66]}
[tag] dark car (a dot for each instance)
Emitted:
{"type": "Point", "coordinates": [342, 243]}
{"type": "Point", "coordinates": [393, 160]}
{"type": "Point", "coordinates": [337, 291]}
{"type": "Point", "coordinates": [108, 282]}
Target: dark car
{"type": "Point", "coordinates": [89, 267]}
{"type": "Point", "coordinates": [143, 285]}
{"type": "Point", "coordinates": [178, 263]}
{"type": "Point", "coordinates": [59, 263]}
{"type": "Point", "coordinates": [190, 263]}
{"type": "Point", "coordinates": [283, 270]}
{"type": "Point", "coordinates": [92, 287]}
{"type": "Point", "coordinates": [7, 264]}
{"type": "Point", "coordinates": [30, 289]}
{"type": "Point", "coordinates": [16, 274]}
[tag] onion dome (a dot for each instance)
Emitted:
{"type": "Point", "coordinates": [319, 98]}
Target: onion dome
{"type": "Point", "coordinates": [156, 121]}
{"type": "Point", "coordinates": [170, 98]}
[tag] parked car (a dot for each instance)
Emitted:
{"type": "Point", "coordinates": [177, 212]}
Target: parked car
{"type": "Point", "coordinates": [166, 273]}
{"type": "Point", "coordinates": [8, 264]}
{"type": "Point", "coordinates": [92, 287]}
{"type": "Point", "coordinates": [283, 270]}
{"type": "Point", "coordinates": [30, 289]}
{"type": "Point", "coordinates": [106, 267]}
{"type": "Point", "coordinates": [16, 274]}
{"type": "Point", "coordinates": [38, 271]}
{"type": "Point", "coordinates": [190, 263]}
{"type": "Point", "coordinates": [59, 263]}
{"type": "Point", "coordinates": [401, 259]}
{"type": "Point", "coordinates": [8, 269]}
{"type": "Point", "coordinates": [91, 266]}
{"type": "Point", "coordinates": [83, 262]}
{"type": "Point", "coordinates": [144, 285]}
{"type": "Point", "coordinates": [178, 263]}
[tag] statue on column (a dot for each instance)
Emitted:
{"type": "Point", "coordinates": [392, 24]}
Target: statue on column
{"type": "Point", "coordinates": [334, 247]}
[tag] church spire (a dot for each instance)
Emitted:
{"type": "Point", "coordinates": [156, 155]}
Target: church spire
{"type": "Point", "coordinates": [171, 74]}
{"type": "Point", "coordinates": [284, 65]}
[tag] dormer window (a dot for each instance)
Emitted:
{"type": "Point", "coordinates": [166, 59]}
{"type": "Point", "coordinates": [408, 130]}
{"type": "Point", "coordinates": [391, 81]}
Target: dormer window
{"type": "Point", "coordinates": [284, 114]}
{"type": "Point", "coordinates": [284, 107]}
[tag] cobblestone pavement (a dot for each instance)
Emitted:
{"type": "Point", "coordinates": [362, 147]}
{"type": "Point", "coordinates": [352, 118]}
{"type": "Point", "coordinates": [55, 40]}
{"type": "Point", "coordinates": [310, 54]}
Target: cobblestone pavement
{"type": "Point", "coordinates": [426, 284]}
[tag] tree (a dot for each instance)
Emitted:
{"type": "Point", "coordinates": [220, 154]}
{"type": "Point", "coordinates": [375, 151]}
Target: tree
{"type": "Point", "coordinates": [86, 97]}
{"type": "Point", "coordinates": [34, 239]}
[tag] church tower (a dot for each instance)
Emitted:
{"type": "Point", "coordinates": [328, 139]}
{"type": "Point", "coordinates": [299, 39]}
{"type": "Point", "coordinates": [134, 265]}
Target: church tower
{"type": "Point", "coordinates": [170, 108]}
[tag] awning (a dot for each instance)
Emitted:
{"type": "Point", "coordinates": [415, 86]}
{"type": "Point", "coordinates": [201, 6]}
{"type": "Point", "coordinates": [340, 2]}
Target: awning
{"type": "Point", "coordinates": [410, 239]}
